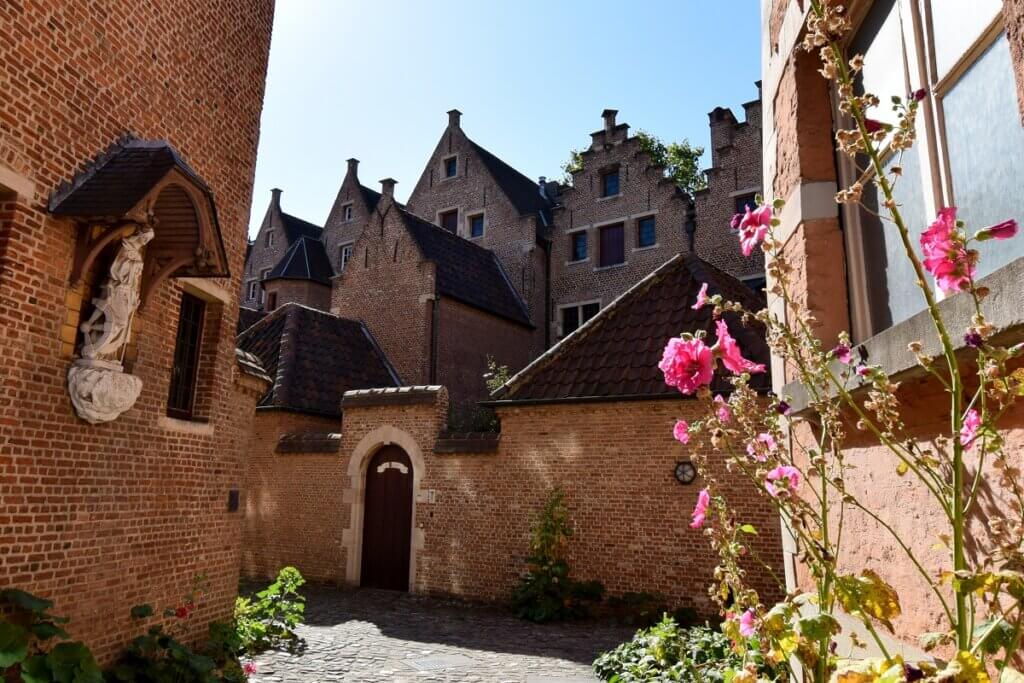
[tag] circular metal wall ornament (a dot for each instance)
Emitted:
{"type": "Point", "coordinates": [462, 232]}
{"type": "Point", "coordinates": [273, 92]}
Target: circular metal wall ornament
{"type": "Point", "coordinates": [685, 472]}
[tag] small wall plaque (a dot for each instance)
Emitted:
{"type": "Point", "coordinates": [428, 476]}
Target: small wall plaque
{"type": "Point", "coordinates": [233, 500]}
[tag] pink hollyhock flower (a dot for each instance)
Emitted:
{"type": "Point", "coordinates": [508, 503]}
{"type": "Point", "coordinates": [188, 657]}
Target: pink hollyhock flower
{"type": "Point", "coordinates": [999, 231]}
{"type": "Point", "coordinates": [249, 668]}
{"type": "Point", "coordinates": [973, 339]}
{"type": "Point", "coordinates": [737, 218]}
{"type": "Point", "coordinates": [687, 364]}
{"type": "Point", "coordinates": [702, 297]}
{"type": "Point", "coordinates": [700, 510]}
{"type": "Point", "coordinates": [782, 408]}
{"type": "Point", "coordinates": [723, 413]}
{"type": "Point", "coordinates": [783, 479]}
{"type": "Point", "coordinates": [753, 227]}
{"type": "Point", "coordinates": [181, 612]}
{"type": "Point", "coordinates": [863, 371]}
{"type": "Point", "coordinates": [729, 351]}
{"type": "Point", "coordinates": [969, 430]}
{"type": "Point", "coordinates": [919, 94]}
{"type": "Point", "coordinates": [873, 126]}
{"type": "Point", "coordinates": [747, 624]}
{"type": "Point", "coordinates": [843, 354]}
{"type": "Point", "coordinates": [945, 256]}
{"type": "Point", "coordinates": [682, 432]}
{"type": "Point", "coordinates": [762, 446]}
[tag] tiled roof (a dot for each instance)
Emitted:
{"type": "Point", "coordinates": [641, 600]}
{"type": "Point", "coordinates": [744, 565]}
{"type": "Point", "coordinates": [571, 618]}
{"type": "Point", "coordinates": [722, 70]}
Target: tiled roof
{"type": "Point", "coordinates": [465, 271]}
{"type": "Point", "coordinates": [616, 353]}
{"type": "Point", "coordinates": [372, 197]}
{"type": "Point", "coordinates": [294, 228]}
{"type": "Point", "coordinates": [306, 259]}
{"type": "Point", "coordinates": [247, 317]}
{"type": "Point", "coordinates": [314, 358]}
{"type": "Point", "coordinates": [520, 190]}
{"type": "Point", "coordinates": [117, 180]}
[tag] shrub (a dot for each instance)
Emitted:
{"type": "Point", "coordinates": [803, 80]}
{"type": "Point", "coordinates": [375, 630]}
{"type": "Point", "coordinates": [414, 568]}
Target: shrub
{"type": "Point", "coordinates": [669, 652]}
{"type": "Point", "coordinates": [547, 592]}
{"type": "Point", "coordinates": [268, 618]}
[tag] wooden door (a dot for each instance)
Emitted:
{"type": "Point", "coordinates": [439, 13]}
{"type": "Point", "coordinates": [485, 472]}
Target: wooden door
{"type": "Point", "coordinates": [387, 520]}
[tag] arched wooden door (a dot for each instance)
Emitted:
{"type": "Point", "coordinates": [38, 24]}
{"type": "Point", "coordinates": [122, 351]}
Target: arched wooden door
{"type": "Point", "coordinates": [387, 520]}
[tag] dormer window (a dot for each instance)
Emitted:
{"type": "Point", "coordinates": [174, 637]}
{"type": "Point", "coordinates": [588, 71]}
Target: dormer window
{"type": "Point", "coordinates": [268, 239]}
{"type": "Point", "coordinates": [451, 167]}
{"type": "Point", "coordinates": [610, 183]}
{"type": "Point", "coordinates": [348, 212]}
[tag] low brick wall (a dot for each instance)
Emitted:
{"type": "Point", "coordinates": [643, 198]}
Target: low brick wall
{"type": "Point", "coordinates": [473, 511]}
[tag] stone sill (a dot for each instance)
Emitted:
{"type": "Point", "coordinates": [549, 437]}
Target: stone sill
{"type": "Point", "coordinates": [1004, 309]}
{"type": "Point", "coordinates": [467, 442]}
{"type": "Point", "coordinates": [187, 426]}
{"type": "Point", "coordinates": [609, 197]}
{"type": "Point", "coordinates": [598, 269]}
{"type": "Point", "coordinates": [656, 245]}
{"type": "Point", "coordinates": [577, 263]}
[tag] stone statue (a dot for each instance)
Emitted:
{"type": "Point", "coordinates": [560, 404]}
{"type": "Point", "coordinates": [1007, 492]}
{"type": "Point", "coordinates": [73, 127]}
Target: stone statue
{"type": "Point", "coordinates": [99, 388]}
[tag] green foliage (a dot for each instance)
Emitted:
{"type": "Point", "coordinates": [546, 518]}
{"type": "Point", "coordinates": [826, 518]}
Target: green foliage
{"type": "Point", "coordinates": [472, 417]}
{"type": "Point", "coordinates": [547, 592]}
{"type": "Point", "coordinates": [268, 618]}
{"type": "Point", "coordinates": [158, 657]}
{"type": "Point", "coordinates": [668, 652]}
{"type": "Point", "coordinates": [496, 375]}
{"type": "Point", "coordinates": [23, 643]}
{"type": "Point", "coordinates": [573, 165]}
{"type": "Point", "coordinates": [681, 160]}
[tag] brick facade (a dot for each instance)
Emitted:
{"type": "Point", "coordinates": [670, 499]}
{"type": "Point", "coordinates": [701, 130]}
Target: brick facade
{"type": "Point", "coordinates": [349, 214]}
{"type": "Point", "coordinates": [643, 192]}
{"type": "Point", "coordinates": [472, 516]}
{"type": "Point", "coordinates": [100, 518]}
{"type": "Point", "coordinates": [263, 254]}
{"type": "Point", "coordinates": [307, 292]}
{"type": "Point", "coordinates": [732, 181]}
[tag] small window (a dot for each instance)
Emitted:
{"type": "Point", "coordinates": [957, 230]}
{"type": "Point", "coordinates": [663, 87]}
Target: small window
{"type": "Point", "coordinates": [268, 239]}
{"type": "Point", "coordinates": [181, 398]}
{"type": "Point", "coordinates": [271, 301]}
{"type": "Point", "coordinates": [346, 254]}
{"type": "Point", "coordinates": [348, 212]}
{"type": "Point", "coordinates": [612, 246]}
{"type": "Point", "coordinates": [476, 225]}
{"type": "Point", "coordinates": [578, 246]}
{"type": "Point", "coordinates": [745, 200]}
{"type": "Point", "coordinates": [263, 276]}
{"type": "Point", "coordinates": [574, 316]}
{"type": "Point", "coordinates": [450, 220]}
{"type": "Point", "coordinates": [646, 235]}
{"type": "Point", "coordinates": [610, 183]}
{"type": "Point", "coordinates": [254, 290]}
{"type": "Point", "coordinates": [451, 167]}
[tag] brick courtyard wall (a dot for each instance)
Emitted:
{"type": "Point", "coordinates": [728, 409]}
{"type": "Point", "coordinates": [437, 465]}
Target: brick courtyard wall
{"type": "Point", "coordinates": [511, 236]}
{"type": "Point", "coordinates": [466, 337]}
{"type": "Point", "coordinates": [289, 499]}
{"type": "Point", "coordinates": [99, 518]}
{"type": "Point", "coordinates": [643, 191]}
{"type": "Point", "coordinates": [305, 292]}
{"type": "Point", "coordinates": [615, 461]}
{"type": "Point", "coordinates": [735, 174]}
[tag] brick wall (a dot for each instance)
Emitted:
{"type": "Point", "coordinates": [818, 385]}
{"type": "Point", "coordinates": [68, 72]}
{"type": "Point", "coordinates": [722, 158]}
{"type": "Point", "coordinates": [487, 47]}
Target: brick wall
{"type": "Point", "coordinates": [99, 518]}
{"type": "Point", "coordinates": [305, 292]}
{"type": "Point", "coordinates": [466, 337]}
{"type": "Point", "coordinates": [262, 256]}
{"type": "Point", "coordinates": [338, 230]}
{"type": "Point", "coordinates": [614, 460]}
{"type": "Point", "coordinates": [388, 267]}
{"type": "Point", "coordinates": [289, 498]}
{"type": "Point", "coordinates": [734, 176]}
{"type": "Point", "coordinates": [643, 191]}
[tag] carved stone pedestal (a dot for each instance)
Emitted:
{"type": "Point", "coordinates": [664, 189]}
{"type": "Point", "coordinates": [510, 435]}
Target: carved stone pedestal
{"type": "Point", "coordinates": [101, 390]}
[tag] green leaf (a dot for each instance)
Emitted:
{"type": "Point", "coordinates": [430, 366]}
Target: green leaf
{"type": "Point", "coordinates": [870, 595]}
{"type": "Point", "coordinates": [819, 627]}
{"type": "Point", "coordinates": [36, 670]}
{"type": "Point", "coordinates": [994, 634]}
{"type": "Point", "coordinates": [201, 664]}
{"type": "Point", "coordinates": [13, 644]}
{"type": "Point", "coordinates": [26, 601]}
{"type": "Point", "coordinates": [142, 611]}
{"type": "Point", "coordinates": [44, 630]}
{"type": "Point", "coordinates": [749, 529]}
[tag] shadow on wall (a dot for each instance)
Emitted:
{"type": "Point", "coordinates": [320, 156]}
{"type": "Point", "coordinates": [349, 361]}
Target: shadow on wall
{"type": "Point", "coordinates": [433, 621]}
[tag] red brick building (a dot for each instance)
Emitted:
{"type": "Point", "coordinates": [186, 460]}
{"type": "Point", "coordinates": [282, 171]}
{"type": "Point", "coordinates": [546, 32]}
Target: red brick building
{"type": "Point", "coordinates": [591, 415]}
{"type": "Point", "coordinates": [126, 166]}
{"type": "Point", "coordinates": [851, 273]}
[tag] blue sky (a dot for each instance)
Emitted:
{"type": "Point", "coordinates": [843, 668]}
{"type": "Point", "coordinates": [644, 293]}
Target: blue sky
{"type": "Point", "coordinates": [373, 80]}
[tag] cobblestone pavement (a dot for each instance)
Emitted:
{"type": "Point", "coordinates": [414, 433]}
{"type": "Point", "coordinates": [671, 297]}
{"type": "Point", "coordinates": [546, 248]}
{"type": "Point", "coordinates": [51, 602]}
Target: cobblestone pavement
{"type": "Point", "coordinates": [368, 635]}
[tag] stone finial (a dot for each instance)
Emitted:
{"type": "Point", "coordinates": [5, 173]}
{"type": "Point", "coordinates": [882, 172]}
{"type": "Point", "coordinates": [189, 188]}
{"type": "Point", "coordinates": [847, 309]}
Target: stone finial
{"type": "Point", "coordinates": [387, 187]}
{"type": "Point", "coordinates": [454, 118]}
{"type": "Point", "coordinates": [275, 197]}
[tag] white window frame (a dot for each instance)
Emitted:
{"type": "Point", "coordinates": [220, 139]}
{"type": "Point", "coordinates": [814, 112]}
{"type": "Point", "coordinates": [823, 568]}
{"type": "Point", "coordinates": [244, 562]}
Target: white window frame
{"type": "Point", "coordinates": [269, 238]}
{"type": "Point", "coordinates": [351, 246]}
{"type": "Point", "coordinates": [263, 276]}
{"type": "Point", "coordinates": [348, 212]}
{"type": "Point", "coordinates": [253, 289]}
{"type": "Point", "coordinates": [930, 147]}
{"type": "Point", "coordinates": [470, 215]}
{"type": "Point", "coordinates": [571, 235]}
{"type": "Point", "coordinates": [579, 305]}
{"type": "Point", "coordinates": [636, 232]}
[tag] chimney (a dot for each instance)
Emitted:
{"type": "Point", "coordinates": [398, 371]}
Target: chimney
{"type": "Point", "coordinates": [387, 187]}
{"type": "Point", "coordinates": [609, 120]}
{"type": "Point", "coordinates": [275, 197]}
{"type": "Point", "coordinates": [353, 167]}
{"type": "Point", "coordinates": [454, 117]}
{"type": "Point", "coordinates": [542, 185]}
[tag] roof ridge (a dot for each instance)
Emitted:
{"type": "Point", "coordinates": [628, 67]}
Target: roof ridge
{"type": "Point", "coordinates": [589, 326]}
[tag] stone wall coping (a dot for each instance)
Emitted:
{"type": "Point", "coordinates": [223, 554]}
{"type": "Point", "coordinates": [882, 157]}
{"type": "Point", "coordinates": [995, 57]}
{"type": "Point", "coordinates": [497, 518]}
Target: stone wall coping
{"type": "Point", "coordinates": [424, 393]}
{"type": "Point", "coordinates": [1004, 309]}
{"type": "Point", "coordinates": [309, 442]}
{"type": "Point", "coordinates": [467, 442]}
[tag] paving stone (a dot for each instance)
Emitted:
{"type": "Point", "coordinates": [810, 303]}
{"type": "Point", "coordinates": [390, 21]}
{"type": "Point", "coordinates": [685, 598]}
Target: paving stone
{"type": "Point", "coordinates": [387, 637]}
